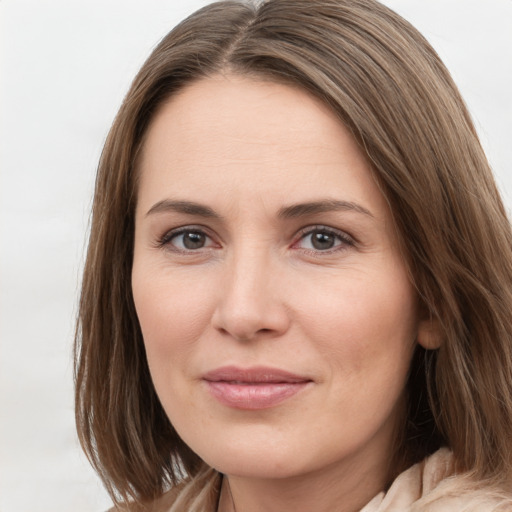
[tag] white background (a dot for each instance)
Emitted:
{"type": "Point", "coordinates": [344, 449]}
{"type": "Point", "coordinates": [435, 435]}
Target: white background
{"type": "Point", "coordinates": [65, 66]}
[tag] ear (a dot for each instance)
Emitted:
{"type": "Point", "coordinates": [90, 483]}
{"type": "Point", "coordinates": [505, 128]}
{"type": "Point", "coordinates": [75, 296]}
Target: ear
{"type": "Point", "coordinates": [429, 334]}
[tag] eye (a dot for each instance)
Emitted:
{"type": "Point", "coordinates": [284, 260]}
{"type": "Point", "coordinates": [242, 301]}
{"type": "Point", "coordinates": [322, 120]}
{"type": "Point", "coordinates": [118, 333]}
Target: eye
{"type": "Point", "coordinates": [187, 239]}
{"type": "Point", "coordinates": [323, 239]}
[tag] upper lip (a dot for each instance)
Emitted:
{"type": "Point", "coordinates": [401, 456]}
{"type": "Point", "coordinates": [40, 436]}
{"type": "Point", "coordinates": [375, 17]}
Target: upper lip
{"type": "Point", "coordinates": [256, 375]}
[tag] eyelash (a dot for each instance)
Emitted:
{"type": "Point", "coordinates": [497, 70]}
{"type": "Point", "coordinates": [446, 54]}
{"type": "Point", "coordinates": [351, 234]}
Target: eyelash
{"type": "Point", "coordinates": [343, 238]}
{"type": "Point", "coordinates": [166, 239]}
{"type": "Point", "coordinates": [342, 243]}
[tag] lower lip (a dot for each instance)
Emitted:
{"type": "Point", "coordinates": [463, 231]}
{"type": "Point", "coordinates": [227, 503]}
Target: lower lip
{"type": "Point", "coordinates": [254, 396]}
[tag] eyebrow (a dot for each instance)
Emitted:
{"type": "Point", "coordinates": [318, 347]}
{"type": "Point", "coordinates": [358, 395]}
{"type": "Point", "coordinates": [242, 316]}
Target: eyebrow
{"type": "Point", "coordinates": [287, 212]}
{"type": "Point", "coordinates": [187, 207]}
{"type": "Point", "coordinates": [314, 207]}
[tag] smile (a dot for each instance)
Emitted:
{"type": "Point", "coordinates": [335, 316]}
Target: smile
{"type": "Point", "coordinates": [253, 388]}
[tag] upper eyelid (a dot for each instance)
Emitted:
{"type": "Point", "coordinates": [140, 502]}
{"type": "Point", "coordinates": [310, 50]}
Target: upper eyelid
{"type": "Point", "coordinates": [187, 227]}
{"type": "Point", "coordinates": [320, 227]}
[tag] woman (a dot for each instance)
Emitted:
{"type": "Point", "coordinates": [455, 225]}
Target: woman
{"type": "Point", "coordinates": [297, 293]}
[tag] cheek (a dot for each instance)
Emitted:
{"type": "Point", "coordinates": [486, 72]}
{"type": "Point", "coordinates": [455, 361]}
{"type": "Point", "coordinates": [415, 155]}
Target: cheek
{"type": "Point", "coordinates": [172, 313]}
{"type": "Point", "coordinates": [366, 335]}
{"type": "Point", "coordinates": [363, 325]}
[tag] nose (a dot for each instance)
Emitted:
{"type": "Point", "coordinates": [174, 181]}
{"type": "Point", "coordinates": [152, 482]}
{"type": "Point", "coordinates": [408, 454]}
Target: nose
{"type": "Point", "coordinates": [251, 304]}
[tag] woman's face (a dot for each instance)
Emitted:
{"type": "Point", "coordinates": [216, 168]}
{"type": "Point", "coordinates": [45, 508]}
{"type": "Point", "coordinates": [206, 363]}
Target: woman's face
{"type": "Point", "coordinates": [277, 313]}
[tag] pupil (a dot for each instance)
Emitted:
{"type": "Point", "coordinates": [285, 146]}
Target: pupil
{"type": "Point", "coordinates": [322, 241]}
{"type": "Point", "coordinates": [193, 240]}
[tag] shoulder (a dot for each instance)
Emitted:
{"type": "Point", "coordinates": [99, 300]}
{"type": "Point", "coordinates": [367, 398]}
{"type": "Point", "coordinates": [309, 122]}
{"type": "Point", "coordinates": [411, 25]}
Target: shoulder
{"type": "Point", "coordinates": [433, 486]}
{"type": "Point", "coordinates": [444, 490]}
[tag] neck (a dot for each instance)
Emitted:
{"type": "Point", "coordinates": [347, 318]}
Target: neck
{"type": "Point", "coordinates": [331, 489]}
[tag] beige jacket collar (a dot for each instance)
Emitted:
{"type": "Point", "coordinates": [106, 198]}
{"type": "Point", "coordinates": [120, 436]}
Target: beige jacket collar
{"type": "Point", "coordinates": [433, 486]}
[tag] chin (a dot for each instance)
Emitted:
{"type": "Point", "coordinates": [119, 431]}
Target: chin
{"type": "Point", "coordinates": [253, 456]}
{"type": "Point", "coordinates": [264, 466]}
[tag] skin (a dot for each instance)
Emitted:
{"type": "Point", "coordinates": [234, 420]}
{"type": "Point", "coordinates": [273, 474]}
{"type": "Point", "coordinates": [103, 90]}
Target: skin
{"type": "Point", "coordinates": [256, 290]}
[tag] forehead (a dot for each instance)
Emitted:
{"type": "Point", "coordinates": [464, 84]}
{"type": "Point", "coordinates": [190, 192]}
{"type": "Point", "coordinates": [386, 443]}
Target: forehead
{"type": "Point", "coordinates": [242, 111]}
{"type": "Point", "coordinates": [251, 138]}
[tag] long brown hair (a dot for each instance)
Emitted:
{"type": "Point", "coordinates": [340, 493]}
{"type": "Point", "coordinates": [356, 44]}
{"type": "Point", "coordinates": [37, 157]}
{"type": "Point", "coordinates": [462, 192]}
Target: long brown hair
{"type": "Point", "coordinates": [388, 86]}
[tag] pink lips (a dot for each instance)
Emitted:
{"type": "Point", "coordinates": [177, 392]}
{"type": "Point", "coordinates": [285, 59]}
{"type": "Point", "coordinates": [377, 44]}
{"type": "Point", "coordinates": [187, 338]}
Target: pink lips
{"type": "Point", "coordinates": [253, 388]}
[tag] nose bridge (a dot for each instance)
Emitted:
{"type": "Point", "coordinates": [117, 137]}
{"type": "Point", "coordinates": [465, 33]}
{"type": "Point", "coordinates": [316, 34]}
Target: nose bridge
{"type": "Point", "coordinates": [247, 267]}
{"type": "Point", "coordinates": [249, 301]}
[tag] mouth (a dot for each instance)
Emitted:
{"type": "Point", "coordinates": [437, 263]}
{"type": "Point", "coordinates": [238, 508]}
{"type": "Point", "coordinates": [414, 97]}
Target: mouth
{"type": "Point", "coordinates": [253, 388]}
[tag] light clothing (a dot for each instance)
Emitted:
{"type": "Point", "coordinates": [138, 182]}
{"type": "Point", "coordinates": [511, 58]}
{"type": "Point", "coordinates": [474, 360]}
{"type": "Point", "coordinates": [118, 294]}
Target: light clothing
{"type": "Point", "coordinates": [432, 486]}
{"type": "Point", "coordinates": [429, 486]}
